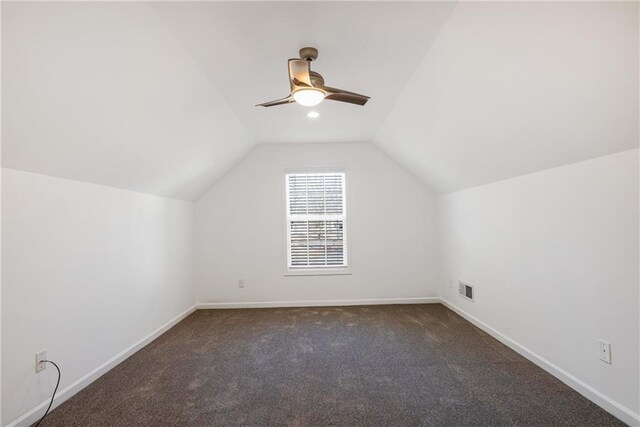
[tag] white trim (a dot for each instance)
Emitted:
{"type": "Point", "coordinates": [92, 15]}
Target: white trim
{"type": "Point", "coordinates": [608, 404]}
{"type": "Point", "coordinates": [317, 271]}
{"type": "Point", "coordinates": [318, 303]}
{"type": "Point", "coordinates": [34, 414]}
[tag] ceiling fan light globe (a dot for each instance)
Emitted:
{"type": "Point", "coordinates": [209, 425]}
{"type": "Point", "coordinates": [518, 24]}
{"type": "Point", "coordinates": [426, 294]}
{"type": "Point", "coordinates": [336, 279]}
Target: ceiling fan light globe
{"type": "Point", "coordinates": [308, 97]}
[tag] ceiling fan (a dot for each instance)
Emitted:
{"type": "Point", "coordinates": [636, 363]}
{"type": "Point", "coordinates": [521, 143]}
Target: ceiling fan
{"type": "Point", "coordinates": [307, 87]}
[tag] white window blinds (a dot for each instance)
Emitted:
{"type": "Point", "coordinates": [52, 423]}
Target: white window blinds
{"type": "Point", "coordinates": [316, 228]}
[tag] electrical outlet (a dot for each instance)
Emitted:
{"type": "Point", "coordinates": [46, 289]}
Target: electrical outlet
{"type": "Point", "coordinates": [605, 351]}
{"type": "Point", "coordinates": [241, 283]}
{"type": "Point", "coordinates": [41, 365]}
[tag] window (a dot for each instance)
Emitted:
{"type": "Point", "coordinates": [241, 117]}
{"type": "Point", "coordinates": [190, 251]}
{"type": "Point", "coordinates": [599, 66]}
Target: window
{"type": "Point", "coordinates": [316, 223]}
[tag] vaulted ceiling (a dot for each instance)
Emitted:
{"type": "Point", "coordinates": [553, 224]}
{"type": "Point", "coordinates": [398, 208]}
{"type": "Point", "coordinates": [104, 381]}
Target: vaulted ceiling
{"type": "Point", "coordinates": [513, 88]}
{"type": "Point", "coordinates": [159, 97]}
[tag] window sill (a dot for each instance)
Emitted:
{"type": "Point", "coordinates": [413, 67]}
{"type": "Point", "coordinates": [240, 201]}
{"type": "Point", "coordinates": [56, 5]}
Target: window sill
{"type": "Point", "coordinates": [318, 272]}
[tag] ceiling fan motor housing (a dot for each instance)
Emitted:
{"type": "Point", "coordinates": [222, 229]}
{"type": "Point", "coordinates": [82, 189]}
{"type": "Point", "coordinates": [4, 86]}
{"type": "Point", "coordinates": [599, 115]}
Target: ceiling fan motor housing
{"type": "Point", "coordinates": [316, 79]}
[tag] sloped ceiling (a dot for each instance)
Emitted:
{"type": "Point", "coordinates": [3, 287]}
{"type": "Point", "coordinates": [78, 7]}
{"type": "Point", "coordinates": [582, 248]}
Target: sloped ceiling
{"type": "Point", "coordinates": [159, 97]}
{"type": "Point", "coordinates": [513, 88]}
{"type": "Point", "coordinates": [104, 93]}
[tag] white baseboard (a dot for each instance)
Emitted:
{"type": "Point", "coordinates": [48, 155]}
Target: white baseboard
{"type": "Point", "coordinates": [318, 303]}
{"type": "Point", "coordinates": [34, 415]}
{"type": "Point", "coordinates": [616, 409]}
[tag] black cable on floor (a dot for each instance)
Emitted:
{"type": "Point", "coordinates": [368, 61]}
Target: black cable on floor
{"type": "Point", "coordinates": [54, 391]}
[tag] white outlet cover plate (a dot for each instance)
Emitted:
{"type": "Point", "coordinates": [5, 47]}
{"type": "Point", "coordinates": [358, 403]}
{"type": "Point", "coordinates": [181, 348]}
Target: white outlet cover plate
{"type": "Point", "coordinates": [605, 351]}
{"type": "Point", "coordinates": [41, 365]}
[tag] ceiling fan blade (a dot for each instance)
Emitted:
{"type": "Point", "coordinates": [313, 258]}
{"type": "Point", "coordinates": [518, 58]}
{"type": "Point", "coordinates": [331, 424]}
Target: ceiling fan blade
{"type": "Point", "coordinates": [299, 73]}
{"type": "Point", "coordinates": [344, 96]}
{"type": "Point", "coordinates": [288, 100]}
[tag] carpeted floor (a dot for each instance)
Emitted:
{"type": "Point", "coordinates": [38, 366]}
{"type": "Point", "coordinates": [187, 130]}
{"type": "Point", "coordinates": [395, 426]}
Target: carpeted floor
{"type": "Point", "coordinates": [400, 365]}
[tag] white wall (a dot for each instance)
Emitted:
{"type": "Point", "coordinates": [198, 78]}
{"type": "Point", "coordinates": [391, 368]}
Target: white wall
{"type": "Point", "coordinates": [240, 225]}
{"type": "Point", "coordinates": [554, 260]}
{"type": "Point", "coordinates": [87, 272]}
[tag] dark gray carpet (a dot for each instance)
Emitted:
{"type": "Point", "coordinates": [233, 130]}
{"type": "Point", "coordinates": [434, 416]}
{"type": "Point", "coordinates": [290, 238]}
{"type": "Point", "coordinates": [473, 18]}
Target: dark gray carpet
{"type": "Point", "coordinates": [400, 365]}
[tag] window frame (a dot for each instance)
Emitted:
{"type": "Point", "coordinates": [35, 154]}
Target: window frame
{"type": "Point", "coordinates": [316, 271]}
